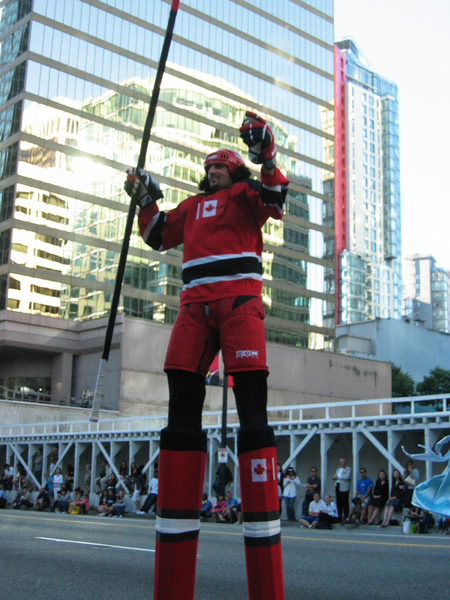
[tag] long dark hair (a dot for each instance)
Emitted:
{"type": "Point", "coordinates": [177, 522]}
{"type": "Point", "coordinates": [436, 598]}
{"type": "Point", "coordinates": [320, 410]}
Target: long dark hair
{"type": "Point", "coordinates": [238, 174]}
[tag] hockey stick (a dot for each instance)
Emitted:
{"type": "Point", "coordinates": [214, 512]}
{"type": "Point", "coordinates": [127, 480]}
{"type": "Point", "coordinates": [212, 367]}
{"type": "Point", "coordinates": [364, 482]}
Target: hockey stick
{"type": "Point", "coordinates": [98, 394]}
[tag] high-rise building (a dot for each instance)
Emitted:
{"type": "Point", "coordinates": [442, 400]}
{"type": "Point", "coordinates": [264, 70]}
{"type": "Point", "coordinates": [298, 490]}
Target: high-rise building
{"type": "Point", "coordinates": [426, 292]}
{"type": "Point", "coordinates": [74, 91]}
{"type": "Point", "coordinates": [367, 217]}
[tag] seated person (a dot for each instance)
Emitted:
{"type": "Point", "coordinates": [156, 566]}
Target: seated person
{"type": "Point", "coordinates": [110, 500]}
{"type": "Point", "coordinates": [395, 502]}
{"type": "Point", "coordinates": [229, 512]}
{"type": "Point", "coordinates": [119, 506]}
{"type": "Point", "coordinates": [3, 498]}
{"type": "Point", "coordinates": [315, 508]}
{"type": "Point", "coordinates": [363, 491]}
{"type": "Point", "coordinates": [423, 519]}
{"type": "Point", "coordinates": [354, 516]}
{"type": "Point", "coordinates": [42, 501]}
{"type": "Point", "coordinates": [23, 498]}
{"type": "Point", "coordinates": [205, 511]}
{"type": "Point", "coordinates": [102, 504]}
{"type": "Point", "coordinates": [84, 504]}
{"type": "Point", "coordinates": [379, 498]}
{"type": "Point", "coordinates": [75, 504]}
{"type": "Point", "coordinates": [7, 477]}
{"type": "Point", "coordinates": [218, 508]}
{"type": "Point", "coordinates": [62, 501]}
{"type": "Point", "coordinates": [103, 477]}
{"type": "Point", "coordinates": [329, 515]}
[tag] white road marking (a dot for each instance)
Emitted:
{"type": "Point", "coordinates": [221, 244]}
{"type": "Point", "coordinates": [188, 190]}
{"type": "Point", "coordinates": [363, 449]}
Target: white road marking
{"type": "Point", "coordinates": [94, 544]}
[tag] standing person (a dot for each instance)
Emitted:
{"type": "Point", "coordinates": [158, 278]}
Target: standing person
{"type": "Point", "coordinates": [313, 484]}
{"type": "Point", "coordinates": [140, 483]}
{"type": "Point", "coordinates": [411, 479]}
{"type": "Point", "coordinates": [221, 307]}
{"type": "Point", "coordinates": [152, 495]}
{"type": "Point", "coordinates": [342, 479]}
{"type": "Point", "coordinates": [53, 456]}
{"type": "Point", "coordinates": [57, 482]}
{"type": "Point", "coordinates": [87, 479]}
{"type": "Point", "coordinates": [280, 485]}
{"type": "Point", "coordinates": [37, 465]}
{"type": "Point", "coordinates": [290, 483]}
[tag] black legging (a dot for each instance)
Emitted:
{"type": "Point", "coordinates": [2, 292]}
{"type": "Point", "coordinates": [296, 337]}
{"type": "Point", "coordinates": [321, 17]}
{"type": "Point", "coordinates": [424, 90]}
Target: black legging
{"type": "Point", "coordinates": [187, 394]}
{"type": "Point", "coordinates": [342, 503]}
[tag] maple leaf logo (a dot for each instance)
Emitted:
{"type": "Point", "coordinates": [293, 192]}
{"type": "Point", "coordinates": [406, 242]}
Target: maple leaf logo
{"type": "Point", "coordinates": [259, 469]}
{"type": "Point", "coordinates": [210, 208]}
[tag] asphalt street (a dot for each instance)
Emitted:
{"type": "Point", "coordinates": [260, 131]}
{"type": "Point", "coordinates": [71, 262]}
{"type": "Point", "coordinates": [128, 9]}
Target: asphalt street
{"type": "Point", "coordinates": [55, 556]}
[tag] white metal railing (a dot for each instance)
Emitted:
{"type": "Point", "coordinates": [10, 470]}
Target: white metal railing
{"type": "Point", "coordinates": [359, 411]}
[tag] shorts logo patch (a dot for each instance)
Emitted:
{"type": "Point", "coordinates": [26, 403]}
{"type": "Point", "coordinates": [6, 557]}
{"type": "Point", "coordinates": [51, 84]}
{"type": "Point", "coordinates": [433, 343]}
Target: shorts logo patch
{"type": "Point", "coordinates": [259, 469]}
{"type": "Point", "coordinates": [247, 354]}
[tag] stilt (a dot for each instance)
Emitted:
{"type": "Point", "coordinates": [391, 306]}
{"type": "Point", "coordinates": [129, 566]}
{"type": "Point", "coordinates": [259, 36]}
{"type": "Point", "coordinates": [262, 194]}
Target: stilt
{"type": "Point", "coordinates": [182, 462]}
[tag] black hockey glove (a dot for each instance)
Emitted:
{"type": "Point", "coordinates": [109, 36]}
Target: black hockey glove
{"type": "Point", "coordinates": [256, 134]}
{"type": "Point", "coordinates": [141, 186]}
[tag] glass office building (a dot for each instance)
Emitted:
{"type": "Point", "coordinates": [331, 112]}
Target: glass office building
{"type": "Point", "coordinates": [75, 82]}
{"type": "Point", "coordinates": [369, 261]}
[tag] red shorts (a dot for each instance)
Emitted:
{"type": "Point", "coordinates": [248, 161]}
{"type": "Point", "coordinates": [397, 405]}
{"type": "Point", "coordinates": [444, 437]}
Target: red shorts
{"type": "Point", "coordinates": [234, 325]}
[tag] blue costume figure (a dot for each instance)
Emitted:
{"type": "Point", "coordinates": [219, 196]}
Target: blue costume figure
{"type": "Point", "coordinates": [434, 494]}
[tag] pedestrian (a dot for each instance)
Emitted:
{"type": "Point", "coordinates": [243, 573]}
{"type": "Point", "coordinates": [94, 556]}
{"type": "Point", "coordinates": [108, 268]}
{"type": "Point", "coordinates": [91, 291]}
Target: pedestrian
{"type": "Point", "coordinates": [342, 482]}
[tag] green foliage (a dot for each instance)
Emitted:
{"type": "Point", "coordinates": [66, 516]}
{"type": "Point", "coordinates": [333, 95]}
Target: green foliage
{"type": "Point", "coordinates": [437, 382]}
{"type": "Point", "coordinates": [402, 383]}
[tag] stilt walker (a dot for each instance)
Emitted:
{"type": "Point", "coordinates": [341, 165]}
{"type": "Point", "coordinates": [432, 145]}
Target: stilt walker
{"type": "Point", "coordinates": [221, 308]}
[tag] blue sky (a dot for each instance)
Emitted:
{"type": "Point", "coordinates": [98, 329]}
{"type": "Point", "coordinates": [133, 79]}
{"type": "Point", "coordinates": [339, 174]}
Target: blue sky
{"type": "Point", "coordinates": [408, 41]}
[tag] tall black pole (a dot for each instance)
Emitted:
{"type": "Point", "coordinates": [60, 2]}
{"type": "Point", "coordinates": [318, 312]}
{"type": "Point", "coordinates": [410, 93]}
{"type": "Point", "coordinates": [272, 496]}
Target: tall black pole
{"type": "Point", "coordinates": [132, 211]}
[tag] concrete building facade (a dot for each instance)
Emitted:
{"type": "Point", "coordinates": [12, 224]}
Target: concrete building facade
{"type": "Point", "coordinates": [426, 293]}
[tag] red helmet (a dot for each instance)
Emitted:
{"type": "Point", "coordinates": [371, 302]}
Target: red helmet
{"type": "Point", "coordinates": [224, 157]}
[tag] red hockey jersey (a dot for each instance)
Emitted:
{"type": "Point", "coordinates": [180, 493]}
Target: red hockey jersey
{"type": "Point", "coordinates": [221, 234]}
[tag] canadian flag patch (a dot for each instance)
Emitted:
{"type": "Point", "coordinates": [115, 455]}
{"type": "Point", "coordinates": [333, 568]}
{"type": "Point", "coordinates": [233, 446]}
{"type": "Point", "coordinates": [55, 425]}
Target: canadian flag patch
{"type": "Point", "coordinates": [259, 469]}
{"type": "Point", "coordinates": [209, 208]}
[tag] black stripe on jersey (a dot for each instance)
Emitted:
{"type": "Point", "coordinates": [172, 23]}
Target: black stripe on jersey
{"type": "Point", "coordinates": [260, 542]}
{"type": "Point", "coordinates": [220, 268]}
{"type": "Point", "coordinates": [175, 538]}
{"type": "Point", "coordinates": [154, 239]}
{"type": "Point", "coordinates": [260, 517]}
{"type": "Point", "coordinates": [166, 513]}
{"type": "Point", "coordinates": [271, 197]}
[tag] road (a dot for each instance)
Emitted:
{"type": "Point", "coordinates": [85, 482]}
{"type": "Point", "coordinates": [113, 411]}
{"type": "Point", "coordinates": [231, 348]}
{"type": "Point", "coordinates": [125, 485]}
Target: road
{"type": "Point", "coordinates": [49, 556]}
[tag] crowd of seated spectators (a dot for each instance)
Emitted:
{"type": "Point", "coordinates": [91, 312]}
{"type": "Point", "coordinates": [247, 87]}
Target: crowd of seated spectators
{"type": "Point", "coordinates": [381, 503]}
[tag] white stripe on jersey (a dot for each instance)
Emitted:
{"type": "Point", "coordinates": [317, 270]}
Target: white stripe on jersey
{"type": "Point", "coordinates": [207, 280]}
{"type": "Point", "coordinates": [150, 227]}
{"type": "Point", "coordinates": [215, 257]}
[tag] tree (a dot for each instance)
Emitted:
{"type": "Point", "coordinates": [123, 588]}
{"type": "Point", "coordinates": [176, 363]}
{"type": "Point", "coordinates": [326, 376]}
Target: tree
{"type": "Point", "coordinates": [402, 383]}
{"type": "Point", "coordinates": [437, 382]}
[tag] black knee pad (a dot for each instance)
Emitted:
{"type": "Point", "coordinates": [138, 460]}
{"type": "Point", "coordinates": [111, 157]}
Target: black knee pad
{"type": "Point", "coordinates": [255, 439]}
{"type": "Point", "coordinates": [183, 440]}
